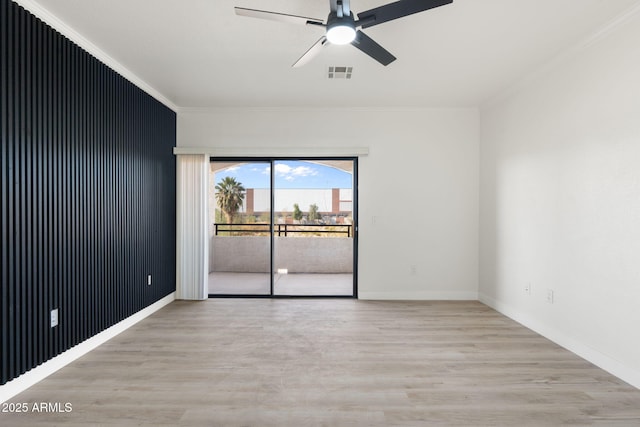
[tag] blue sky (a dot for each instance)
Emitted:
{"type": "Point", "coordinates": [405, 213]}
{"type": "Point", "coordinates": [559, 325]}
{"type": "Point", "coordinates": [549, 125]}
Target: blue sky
{"type": "Point", "coordinates": [289, 174]}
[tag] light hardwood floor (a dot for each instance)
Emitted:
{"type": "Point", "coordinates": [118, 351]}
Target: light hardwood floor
{"type": "Point", "coordinates": [297, 362]}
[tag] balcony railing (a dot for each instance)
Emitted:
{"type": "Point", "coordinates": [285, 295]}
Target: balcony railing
{"type": "Point", "coordinates": [283, 230]}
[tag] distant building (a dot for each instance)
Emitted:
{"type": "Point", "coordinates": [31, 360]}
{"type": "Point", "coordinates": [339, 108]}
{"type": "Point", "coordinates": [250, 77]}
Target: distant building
{"type": "Point", "coordinates": [334, 203]}
{"type": "Point", "coordinates": [330, 201]}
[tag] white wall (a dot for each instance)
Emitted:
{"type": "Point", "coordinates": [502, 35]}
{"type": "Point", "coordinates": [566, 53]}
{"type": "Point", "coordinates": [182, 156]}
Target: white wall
{"type": "Point", "coordinates": [423, 158]}
{"type": "Point", "coordinates": [560, 202]}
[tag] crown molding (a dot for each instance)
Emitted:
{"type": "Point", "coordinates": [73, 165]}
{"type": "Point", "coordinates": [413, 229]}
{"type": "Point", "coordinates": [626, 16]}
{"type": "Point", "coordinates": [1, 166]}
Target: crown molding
{"type": "Point", "coordinates": [562, 57]}
{"type": "Point", "coordinates": [303, 109]}
{"type": "Point", "coordinates": [54, 22]}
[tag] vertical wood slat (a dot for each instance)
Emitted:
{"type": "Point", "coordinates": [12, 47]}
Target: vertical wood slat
{"type": "Point", "coordinates": [4, 179]}
{"type": "Point", "coordinates": [88, 194]}
{"type": "Point", "coordinates": [21, 205]}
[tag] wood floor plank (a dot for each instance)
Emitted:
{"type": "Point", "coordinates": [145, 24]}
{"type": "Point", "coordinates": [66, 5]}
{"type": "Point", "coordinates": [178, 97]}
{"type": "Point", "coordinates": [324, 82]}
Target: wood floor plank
{"type": "Point", "coordinates": [328, 362]}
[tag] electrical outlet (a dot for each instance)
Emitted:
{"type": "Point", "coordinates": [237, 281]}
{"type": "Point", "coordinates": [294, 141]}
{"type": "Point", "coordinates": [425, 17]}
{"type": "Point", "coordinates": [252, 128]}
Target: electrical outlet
{"type": "Point", "coordinates": [550, 296]}
{"type": "Point", "coordinates": [413, 270]}
{"type": "Point", "coordinates": [149, 280]}
{"type": "Point", "coordinates": [527, 289]}
{"type": "Point", "coordinates": [54, 317]}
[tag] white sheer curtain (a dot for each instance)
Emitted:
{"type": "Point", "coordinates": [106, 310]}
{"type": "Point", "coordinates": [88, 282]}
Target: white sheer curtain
{"type": "Point", "coordinates": [192, 236]}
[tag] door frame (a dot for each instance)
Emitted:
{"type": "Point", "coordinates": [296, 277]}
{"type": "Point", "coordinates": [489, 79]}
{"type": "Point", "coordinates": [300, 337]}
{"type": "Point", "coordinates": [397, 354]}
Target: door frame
{"type": "Point", "coordinates": [272, 160]}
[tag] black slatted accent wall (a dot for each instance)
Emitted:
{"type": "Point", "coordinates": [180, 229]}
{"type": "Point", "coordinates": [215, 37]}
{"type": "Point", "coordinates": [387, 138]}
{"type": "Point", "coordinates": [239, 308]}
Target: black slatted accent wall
{"type": "Point", "coordinates": [88, 194]}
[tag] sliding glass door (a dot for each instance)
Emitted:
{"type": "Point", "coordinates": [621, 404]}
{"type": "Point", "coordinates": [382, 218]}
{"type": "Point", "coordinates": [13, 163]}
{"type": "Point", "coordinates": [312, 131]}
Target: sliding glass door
{"type": "Point", "coordinates": [313, 229]}
{"type": "Point", "coordinates": [240, 230]}
{"type": "Point", "coordinates": [283, 227]}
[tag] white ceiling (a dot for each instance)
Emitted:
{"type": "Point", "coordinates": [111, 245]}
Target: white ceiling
{"type": "Point", "coordinates": [198, 53]}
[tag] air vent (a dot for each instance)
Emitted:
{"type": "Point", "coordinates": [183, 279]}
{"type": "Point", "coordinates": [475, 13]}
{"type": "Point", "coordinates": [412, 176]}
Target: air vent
{"type": "Point", "coordinates": [340, 72]}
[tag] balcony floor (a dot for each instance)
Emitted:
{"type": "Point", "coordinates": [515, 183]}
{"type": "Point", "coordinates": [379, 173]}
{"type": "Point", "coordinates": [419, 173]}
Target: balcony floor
{"type": "Point", "coordinates": [222, 283]}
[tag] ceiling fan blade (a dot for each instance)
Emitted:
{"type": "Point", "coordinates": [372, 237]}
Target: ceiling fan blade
{"type": "Point", "coordinates": [396, 10]}
{"type": "Point", "coordinates": [373, 49]}
{"type": "Point", "coordinates": [275, 16]}
{"type": "Point", "coordinates": [312, 52]}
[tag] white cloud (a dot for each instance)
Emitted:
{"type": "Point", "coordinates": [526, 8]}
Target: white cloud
{"type": "Point", "coordinates": [282, 169]}
{"type": "Point", "coordinates": [290, 174]}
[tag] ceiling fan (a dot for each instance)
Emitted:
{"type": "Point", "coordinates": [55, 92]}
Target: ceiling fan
{"type": "Point", "coordinates": [342, 26]}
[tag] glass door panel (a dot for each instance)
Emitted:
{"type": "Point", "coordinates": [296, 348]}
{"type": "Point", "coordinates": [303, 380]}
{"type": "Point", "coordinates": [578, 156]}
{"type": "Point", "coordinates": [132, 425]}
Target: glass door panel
{"type": "Point", "coordinates": [240, 228]}
{"type": "Point", "coordinates": [313, 240]}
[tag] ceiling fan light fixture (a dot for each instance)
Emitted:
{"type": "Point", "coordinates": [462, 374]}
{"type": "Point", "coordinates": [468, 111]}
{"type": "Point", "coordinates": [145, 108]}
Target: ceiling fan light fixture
{"type": "Point", "coordinates": [341, 33]}
{"type": "Point", "coordinates": [341, 25]}
{"type": "Point", "coordinates": [341, 29]}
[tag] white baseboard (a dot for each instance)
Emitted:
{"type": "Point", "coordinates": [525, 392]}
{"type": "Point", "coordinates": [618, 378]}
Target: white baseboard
{"type": "Point", "coordinates": [39, 373]}
{"type": "Point", "coordinates": [420, 295]}
{"type": "Point", "coordinates": [599, 359]}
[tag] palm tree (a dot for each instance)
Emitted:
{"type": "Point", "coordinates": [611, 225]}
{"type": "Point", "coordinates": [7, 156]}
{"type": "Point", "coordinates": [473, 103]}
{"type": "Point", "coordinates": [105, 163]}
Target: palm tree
{"type": "Point", "coordinates": [229, 196]}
